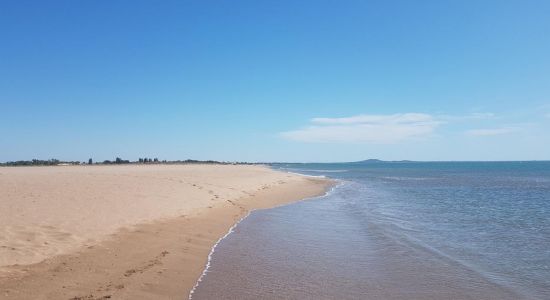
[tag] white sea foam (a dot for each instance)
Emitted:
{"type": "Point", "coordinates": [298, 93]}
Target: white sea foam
{"type": "Point", "coordinates": [212, 253]}
{"type": "Point", "coordinates": [232, 229]}
{"type": "Point", "coordinates": [306, 175]}
{"type": "Point", "coordinates": [319, 171]}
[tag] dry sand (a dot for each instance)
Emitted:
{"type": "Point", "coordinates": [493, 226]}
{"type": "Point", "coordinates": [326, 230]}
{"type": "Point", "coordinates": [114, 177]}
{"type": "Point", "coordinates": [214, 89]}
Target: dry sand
{"type": "Point", "coordinates": [125, 232]}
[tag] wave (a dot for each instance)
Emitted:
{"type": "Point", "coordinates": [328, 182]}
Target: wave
{"type": "Point", "coordinates": [319, 171]}
{"type": "Point", "coordinates": [307, 175]}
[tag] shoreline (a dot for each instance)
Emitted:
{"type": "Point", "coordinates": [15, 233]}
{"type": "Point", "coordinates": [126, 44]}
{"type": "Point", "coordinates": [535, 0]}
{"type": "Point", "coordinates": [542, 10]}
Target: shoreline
{"type": "Point", "coordinates": [330, 186]}
{"type": "Point", "coordinates": [160, 259]}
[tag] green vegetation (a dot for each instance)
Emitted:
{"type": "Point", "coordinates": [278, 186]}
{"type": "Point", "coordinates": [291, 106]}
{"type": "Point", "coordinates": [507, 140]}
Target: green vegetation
{"type": "Point", "coordinates": [116, 161]}
{"type": "Point", "coordinates": [38, 162]}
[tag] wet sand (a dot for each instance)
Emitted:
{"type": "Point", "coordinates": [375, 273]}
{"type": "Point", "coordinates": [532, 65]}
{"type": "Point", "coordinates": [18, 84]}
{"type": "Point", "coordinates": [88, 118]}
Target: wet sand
{"type": "Point", "coordinates": [125, 232]}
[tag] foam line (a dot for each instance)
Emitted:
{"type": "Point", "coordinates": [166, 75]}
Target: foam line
{"type": "Point", "coordinates": [207, 266]}
{"type": "Point", "coordinates": [306, 175]}
{"type": "Point", "coordinates": [212, 253]}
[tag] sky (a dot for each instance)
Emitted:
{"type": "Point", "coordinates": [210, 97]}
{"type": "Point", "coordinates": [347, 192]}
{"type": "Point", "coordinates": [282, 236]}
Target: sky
{"type": "Point", "coordinates": [294, 81]}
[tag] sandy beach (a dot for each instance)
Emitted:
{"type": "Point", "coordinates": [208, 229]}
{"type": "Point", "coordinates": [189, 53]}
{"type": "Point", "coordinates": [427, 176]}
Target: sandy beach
{"type": "Point", "coordinates": [125, 232]}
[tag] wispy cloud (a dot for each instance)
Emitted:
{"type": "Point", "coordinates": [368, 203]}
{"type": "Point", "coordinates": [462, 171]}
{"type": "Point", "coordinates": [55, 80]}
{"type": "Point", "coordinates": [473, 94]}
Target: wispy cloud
{"type": "Point", "coordinates": [472, 116]}
{"type": "Point", "coordinates": [379, 129]}
{"type": "Point", "coordinates": [491, 131]}
{"type": "Point", "coordinates": [376, 119]}
{"type": "Point", "coordinates": [479, 115]}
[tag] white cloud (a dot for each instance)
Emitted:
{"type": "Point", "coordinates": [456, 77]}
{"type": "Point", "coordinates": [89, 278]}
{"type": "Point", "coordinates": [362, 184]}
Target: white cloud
{"type": "Point", "coordinates": [480, 116]}
{"type": "Point", "coordinates": [379, 129]}
{"type": "Point", "coordinates": [472, 116]}
{"type": "Point", "coordinates": [491, 131]}
{"type": "Point", "coordinates": [374, 119]}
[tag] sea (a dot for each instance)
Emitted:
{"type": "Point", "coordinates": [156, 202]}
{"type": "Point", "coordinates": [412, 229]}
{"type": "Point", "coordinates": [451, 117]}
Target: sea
{"type": "Point", "coordinates": [395, 230]}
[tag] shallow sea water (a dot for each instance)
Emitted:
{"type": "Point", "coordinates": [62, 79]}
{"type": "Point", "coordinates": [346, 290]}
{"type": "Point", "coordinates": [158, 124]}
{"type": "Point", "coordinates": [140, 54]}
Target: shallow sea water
{"type": "Point", "coordinates": [396, 231]}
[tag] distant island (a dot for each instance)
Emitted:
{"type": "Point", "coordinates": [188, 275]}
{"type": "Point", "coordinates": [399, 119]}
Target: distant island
{"type": "Point", "coordinates": [377, 161]}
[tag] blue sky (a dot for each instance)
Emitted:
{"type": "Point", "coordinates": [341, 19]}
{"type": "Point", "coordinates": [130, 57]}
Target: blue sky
{"type": "Point", "coordinates": [275, 80]}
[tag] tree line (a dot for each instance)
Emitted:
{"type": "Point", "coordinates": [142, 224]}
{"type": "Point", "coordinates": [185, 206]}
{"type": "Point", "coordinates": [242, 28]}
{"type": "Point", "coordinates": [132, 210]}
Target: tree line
{"type": "Point", "coordinates": [116, 161]}
{"type": "Point", "coordinates": [39, 162]}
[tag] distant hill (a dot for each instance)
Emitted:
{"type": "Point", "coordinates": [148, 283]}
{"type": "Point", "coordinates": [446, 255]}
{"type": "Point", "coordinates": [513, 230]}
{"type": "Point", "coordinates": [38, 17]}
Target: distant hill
{"type": "Point", "coordinates": [378, 161]}
{"type": "Point", "coordinates": [369, 161]}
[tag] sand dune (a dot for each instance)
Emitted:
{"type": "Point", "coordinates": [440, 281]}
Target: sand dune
{"type": "Point", "coordinates": [125, 231]}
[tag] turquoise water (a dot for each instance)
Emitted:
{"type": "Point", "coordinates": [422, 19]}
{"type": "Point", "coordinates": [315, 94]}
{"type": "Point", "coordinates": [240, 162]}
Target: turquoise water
{"type": "Point", "coordinates": [396, 231]}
